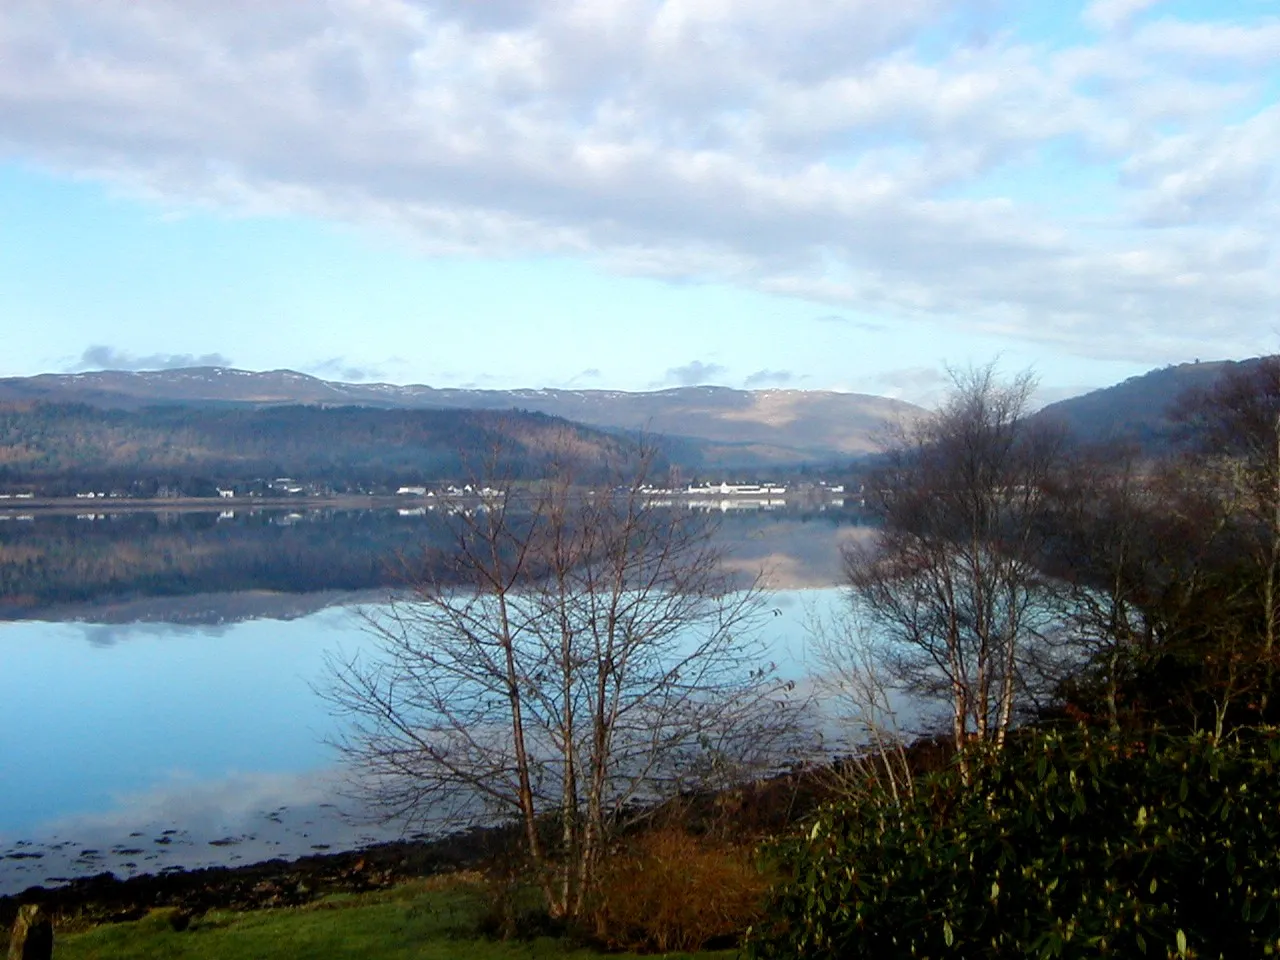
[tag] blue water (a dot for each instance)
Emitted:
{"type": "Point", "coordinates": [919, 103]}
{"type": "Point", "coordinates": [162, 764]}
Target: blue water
{"type": "Point", "coordinates": [111, 735]}
{"type": "Point", "coordinates": [104, 710]}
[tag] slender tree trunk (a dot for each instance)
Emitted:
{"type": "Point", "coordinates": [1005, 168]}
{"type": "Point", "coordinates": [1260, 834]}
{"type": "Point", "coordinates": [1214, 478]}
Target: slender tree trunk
{"type": "Point", "coordinates": [1273, 571]}
{"type": "Point", "coordinates": [569, 794]}
{"type": "Point", "coordinates": [1112, 691]}
{"type": "Point", "coordinates": [525, 783]}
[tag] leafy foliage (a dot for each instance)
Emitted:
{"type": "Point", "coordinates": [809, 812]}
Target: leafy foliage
{"type": "Point", "coordinates": [1064, 845]}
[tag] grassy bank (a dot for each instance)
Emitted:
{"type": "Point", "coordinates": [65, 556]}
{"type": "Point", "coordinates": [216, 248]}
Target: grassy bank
{"type": "Point", "coordinates": [427, 920]}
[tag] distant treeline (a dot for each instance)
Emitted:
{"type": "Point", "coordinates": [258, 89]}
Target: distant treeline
{"type": "Point", "coordinates": [62, 449]}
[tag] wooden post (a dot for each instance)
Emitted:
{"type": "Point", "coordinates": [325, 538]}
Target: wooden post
{"type": "Point", "coordinates": [32, 937]}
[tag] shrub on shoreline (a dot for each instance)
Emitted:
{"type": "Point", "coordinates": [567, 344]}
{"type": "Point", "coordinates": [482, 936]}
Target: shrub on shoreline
{"type": "Point", "coordinates": [1065, 845]}
{"type": "Point", "coordinates": [671, 890]}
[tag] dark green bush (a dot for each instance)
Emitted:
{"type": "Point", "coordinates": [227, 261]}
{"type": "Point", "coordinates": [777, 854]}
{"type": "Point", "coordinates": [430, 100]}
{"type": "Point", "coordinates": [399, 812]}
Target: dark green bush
{"type": "Point", "coordinates": [1066, 845]}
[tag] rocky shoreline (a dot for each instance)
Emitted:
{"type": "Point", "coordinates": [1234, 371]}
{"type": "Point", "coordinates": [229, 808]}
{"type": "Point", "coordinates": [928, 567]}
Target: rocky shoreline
{"type": "Point", "coordinates": [753, 809]}
{"type": "Point", "coordinates": [273, 883]}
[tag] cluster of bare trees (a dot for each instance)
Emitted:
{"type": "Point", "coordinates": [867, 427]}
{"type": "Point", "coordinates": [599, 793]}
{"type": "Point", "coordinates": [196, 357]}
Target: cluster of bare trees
{"type": "Point", "coordinates": [585, 653]}
{"type": "Point", "coordinates": [573, 655]}
{"type": "Point", "coordinates": [1018, 574]}
{"type": "Point", "coordinates": [953, 583]}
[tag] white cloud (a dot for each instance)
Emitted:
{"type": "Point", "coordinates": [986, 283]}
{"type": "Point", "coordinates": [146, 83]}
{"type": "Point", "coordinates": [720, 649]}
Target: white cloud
{"type": "Point", "coordinates": [925, 386]}
{"type": "Point", "coordinates": [769, 378]}
{"type": "Point", "coordinates": [588, 375]}
{"type": "Point", "coordinates": [103, 357]}
{"type": "Point", "coordinates": [1222, 175]}
{"type": "Point", "coordinates": [345, 370]}
{"type": "Point", "coordinates": [1255, 44]}
{"type": "Point", "coordinates": [1113, 14]}
{"type": "Point", "coordinates": [692, 374]}
{"type": "Point", "coordinates": [798, 147]}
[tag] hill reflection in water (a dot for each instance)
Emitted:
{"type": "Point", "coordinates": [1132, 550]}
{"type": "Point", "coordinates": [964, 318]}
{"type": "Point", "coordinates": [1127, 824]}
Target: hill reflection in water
{"type": "Point", "coordinates": [153, 746]}
{"type": "Point", "coordinates": [162, 667]}
{"type": "Point", "coordinates": [232, 565]}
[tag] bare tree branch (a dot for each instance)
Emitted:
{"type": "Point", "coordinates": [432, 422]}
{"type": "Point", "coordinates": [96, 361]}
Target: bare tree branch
{"type": "Point", "coordinates": [584, 651]}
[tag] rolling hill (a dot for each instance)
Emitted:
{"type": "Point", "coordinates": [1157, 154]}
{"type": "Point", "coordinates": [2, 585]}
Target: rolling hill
{"type": "Point", "coordinates": [1138, 410]}
{"type": "Point", "coordinates": [726, 427]}
{"type": "Point", "coordinates": [64, 448]}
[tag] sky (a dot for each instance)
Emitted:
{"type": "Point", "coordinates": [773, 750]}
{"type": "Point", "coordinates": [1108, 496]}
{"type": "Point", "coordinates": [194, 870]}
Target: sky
{"type": "Point", "coordinates": [634, 194]}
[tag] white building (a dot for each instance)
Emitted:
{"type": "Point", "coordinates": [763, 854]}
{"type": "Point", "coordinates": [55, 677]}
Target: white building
{"type": "Point", "coordinates": [737, 490]}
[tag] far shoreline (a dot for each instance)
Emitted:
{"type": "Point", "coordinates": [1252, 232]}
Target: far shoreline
{"type": "Point", "coordinates": [59, 506]}
{"type": "Point", "coordinates": [15, 507]}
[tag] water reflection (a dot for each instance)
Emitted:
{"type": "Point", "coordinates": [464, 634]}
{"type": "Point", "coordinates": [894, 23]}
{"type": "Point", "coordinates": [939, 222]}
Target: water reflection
{"type": "Point", "coordinates": [144, 746]}
{"type": "Point", "coordinates": [187, 823]}
{"type": "Point", "coordinates": [109, 634]}
{"type": "Point", "coordinates": [159, 709]}
{"type": "Point", "coordinates": [211, 567]}
{"type": "Point", "coordinates": [61, 567]}
{"type": "Point", "coordinates": [128, 731]}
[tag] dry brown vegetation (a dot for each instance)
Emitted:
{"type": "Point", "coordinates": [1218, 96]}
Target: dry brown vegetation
{"type": "Point", "coordinates": [668, 889]}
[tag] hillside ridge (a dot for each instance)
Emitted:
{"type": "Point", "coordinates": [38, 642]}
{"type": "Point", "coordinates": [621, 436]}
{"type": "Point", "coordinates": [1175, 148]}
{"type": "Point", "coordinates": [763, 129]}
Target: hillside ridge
{"type": "Point", "coordinates": [749, 426]}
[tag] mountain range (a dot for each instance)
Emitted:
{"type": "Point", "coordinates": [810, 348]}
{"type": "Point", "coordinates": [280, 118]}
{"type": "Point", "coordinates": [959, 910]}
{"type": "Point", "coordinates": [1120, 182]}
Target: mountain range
{"type": "Point", "coordinates": [725, 427]}
{"type": "Point", "coordinates": [704, 427]}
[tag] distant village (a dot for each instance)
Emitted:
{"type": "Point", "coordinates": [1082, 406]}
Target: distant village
{"type": "Point", "coordinates": [723, 496]}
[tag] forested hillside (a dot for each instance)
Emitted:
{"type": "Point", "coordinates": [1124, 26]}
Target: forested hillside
{"type": "Point", "coordinates": [729, 428]}
{"type": "Point", "coordinates": [1141, 410]}
{"type": "Point", "coordinates": [60, 449]}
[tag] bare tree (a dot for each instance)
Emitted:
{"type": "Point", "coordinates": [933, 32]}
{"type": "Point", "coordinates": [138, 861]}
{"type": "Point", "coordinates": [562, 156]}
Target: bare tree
{"type": "Point", "coordinates": [1138, 549]}
{"type": "Point", "coordinates": [1237, 426]}
{"type": "Point", "coordinates": [952, 585]}
{"type": "Point", "coordinates": [584, 652]}
{"type": "Point", "coordinates": [857, 694]}
{"type": "Point", "coordinates": [1107, 555]}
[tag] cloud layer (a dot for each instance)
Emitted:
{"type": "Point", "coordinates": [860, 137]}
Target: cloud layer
{"type": "Point", "coordinates": [102, 357]}
{"type": "Point", "coordinates": [692, 374]}
{"type": "Point", "coordinates": [1113, 197]}
{"type": "Point", "coordinates": [769, 378]}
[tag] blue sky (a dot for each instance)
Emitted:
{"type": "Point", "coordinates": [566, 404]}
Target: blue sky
{"type": "Point", "coordinates": [628, 194]}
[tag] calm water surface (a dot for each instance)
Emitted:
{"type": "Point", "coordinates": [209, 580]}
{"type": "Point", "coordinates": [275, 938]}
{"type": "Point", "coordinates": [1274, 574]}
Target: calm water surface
{"type": "Point", "coordinates": [150, 744]}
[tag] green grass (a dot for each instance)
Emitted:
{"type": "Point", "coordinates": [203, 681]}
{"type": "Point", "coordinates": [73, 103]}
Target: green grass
{"type": "Point", "coordinates": [421, 921]}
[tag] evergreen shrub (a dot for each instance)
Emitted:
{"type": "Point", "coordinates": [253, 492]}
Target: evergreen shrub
{"type": "Point", "coordinates": [1067, 844]}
